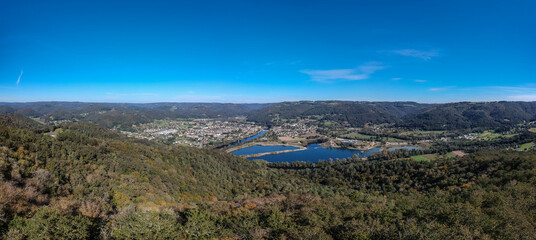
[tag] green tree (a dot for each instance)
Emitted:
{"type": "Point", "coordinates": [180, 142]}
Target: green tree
{"type": "Point", "coordinates": [46, 223]}
{"type": "Point", "coordinates": [141, 225]}
{"type": "Point", "coordinates": [199, 225]}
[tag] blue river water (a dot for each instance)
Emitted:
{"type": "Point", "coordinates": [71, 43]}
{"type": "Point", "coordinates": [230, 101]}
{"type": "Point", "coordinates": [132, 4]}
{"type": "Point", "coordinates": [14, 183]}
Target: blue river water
{"type": "Point", "coordinates": [245, 139]}
{"type": "Point", "coordinates": [314, 153]}
{"type": "Point", "coordinates": [261, 149]}
{"type": "Point", "coordinates": [253, 137]}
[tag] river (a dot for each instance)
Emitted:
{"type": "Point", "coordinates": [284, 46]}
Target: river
{"type": "Point", "coordinates": [313, 153]}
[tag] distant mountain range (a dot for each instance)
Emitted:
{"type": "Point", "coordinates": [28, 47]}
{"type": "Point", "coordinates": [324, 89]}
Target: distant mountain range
{"type": "Point", "coordinates": [449, 116]}
{"type": "Point", "coordinates": [124, 115]}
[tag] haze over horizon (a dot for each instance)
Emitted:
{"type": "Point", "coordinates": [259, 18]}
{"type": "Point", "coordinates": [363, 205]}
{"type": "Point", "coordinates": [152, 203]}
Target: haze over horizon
{"type": "Point", "coordinates": [245, 103]}
{"type": "Point", "coordinates": [267, 51]}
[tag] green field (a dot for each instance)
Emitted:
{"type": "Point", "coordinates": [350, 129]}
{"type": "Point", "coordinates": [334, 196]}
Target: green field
{"type": "Point", "coordinates": [420, 158]}
{"type": "Point", "coordinates": [526, 146]}
{"type": "Point", "coordinates": [38, 120]}
{"type": "Point", "coordinates": [532, 130]}
{"type": "Point", "coordinates": [424, 158]}
{"type": "Point", "coordinates": [487, 135]}
{"type": "Point", "coordinates": [329, 123]}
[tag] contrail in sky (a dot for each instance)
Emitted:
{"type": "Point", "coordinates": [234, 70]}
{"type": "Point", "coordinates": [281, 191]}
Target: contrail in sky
{"type": "Point", "coordinates": [18, 80]}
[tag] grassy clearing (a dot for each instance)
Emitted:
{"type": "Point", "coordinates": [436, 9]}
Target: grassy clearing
{"type": "Point", "coordinates": [360, 136]}
{"type": "Point", "coordinates": [391, 139]}
{"type": "Point", "coordinates": [329, 123]}
{"type": "Point", "coordinates": [425, 157]}
{"type": "Point", "coordinates": [420, 158]}
{"type": "Point", "coordinates": [526, 146]}
{"type": "Point", "coordinates": [487, 136]}
{"type": "Point", "coordinates": [38, 120]}
{"type": "Point", "coordinates": [532, 130]}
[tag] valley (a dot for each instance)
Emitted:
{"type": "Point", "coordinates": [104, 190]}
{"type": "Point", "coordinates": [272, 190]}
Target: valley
{"type": "Point", "coordinates": [241, 178]}
{"type": "Point", "coordinates": [267, 120]}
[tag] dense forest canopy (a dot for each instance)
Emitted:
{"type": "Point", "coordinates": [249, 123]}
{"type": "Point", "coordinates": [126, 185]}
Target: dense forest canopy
{"type": "Point", "coordinates": [124, 115]}
{"type": "Point", "coordinates": [472, 115]}
{"type": "Point", "coordinates": [449, 116]}
{"type": "Point", "coordinates": [87, 182]}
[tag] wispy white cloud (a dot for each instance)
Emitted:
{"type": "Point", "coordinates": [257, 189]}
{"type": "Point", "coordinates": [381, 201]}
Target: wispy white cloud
{"type": "Point", "coordinates": [440, 88]}
{"type": "Point", "coordinates": [425, 55]}
{"type": "Point", "coordinates": [360, 73]}
{"type": "Point", "coordinates": [396, 79]}
{"type": "Point", "coordinates": [514, 89]}
{"type": "Point", "coordinates": [419, 81]}
{"type": "Point", "coordinates": [20, 76]}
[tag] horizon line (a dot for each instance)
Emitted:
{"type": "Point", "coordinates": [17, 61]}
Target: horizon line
{"type": "Point", "coordinates": [213, 102]}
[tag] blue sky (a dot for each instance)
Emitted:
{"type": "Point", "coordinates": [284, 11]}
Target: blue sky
{"type": "Point", "coordinates": [267, 51]}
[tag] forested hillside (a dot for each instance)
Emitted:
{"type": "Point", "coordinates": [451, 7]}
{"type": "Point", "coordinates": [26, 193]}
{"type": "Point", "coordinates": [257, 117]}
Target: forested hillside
{"type": "Point", "coordinates": [355, 114]}
{"type": "Point", "coordinates": [450, 116]}
{"type": "Point", "coordinates": [124, 115]}
{"type": "Point", "coordinates": [87, 182]}
{"type": "Point", "coordinates": [471, 115]}
{"type": "Point", "coordinates": [19, 121]}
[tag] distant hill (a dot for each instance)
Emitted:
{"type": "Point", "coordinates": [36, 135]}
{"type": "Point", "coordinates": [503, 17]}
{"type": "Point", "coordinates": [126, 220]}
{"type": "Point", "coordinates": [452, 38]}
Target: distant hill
{"type": "Point", "coordinates": [19, 121]}
{"type": "Point", "coordinates": [449, 116]}
{"type": "Point", "coordinates": [355, 114]}
{"type": "Point", "coordinates": [124, 115]}
{"type": "Point", "coordinates": [466, 115]}
{"type": "Point", "coordinates": [398, 109]}
{"type": "Point", "coordinates": [6, 110]}
{"type": "Point", "coordinates": [81, 149]}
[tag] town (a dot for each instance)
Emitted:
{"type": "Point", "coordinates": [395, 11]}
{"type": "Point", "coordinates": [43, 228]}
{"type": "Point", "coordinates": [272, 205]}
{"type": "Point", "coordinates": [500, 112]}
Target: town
{"type": "Point", "coordinates": [196, 132]}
